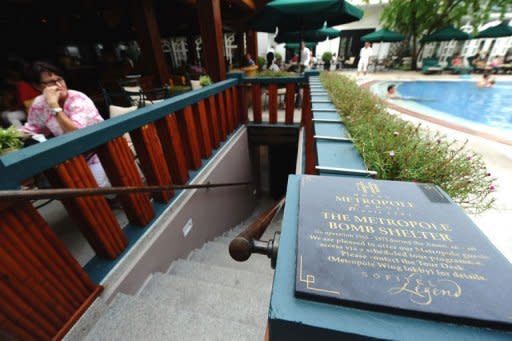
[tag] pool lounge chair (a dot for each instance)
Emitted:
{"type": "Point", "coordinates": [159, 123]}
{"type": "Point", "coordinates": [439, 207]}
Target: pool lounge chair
{"type": "Point", "coordinates": [431, 65]}
{"type": "Point", "coordinates": [507, 68]}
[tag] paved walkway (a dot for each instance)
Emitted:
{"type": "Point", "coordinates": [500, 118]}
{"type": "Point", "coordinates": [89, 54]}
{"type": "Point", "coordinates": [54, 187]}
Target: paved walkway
{"type": "Point", "coordinates": [496, 222]}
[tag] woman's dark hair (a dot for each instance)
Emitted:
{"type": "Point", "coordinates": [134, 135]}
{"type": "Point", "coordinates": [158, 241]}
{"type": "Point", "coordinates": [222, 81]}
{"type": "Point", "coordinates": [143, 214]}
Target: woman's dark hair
{"type": "Point", "coordinates": [270, 59]}
{"type": "Point", "coordinates": [37, 68]}
{"type": "Point", "coordinates": [392, 86]}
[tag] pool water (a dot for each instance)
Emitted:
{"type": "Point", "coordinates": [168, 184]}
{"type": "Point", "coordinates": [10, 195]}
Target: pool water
{"type": "Point", "coordinates": [464, 100]}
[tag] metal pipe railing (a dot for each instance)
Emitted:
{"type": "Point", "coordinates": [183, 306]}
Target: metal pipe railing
{"type": "Point", "coordinates": [9, 196]}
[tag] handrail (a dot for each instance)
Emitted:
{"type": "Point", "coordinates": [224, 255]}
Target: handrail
{"type": "Point", "coordinates": [22, 164]}
{"type": "Point", "coordinates": [65, 193]}
{"type": "Point", "coordinates": [247, 242]}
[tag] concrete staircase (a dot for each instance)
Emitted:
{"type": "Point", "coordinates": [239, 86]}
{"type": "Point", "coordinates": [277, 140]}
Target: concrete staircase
{"type": "Point", "coordinates": [207, 296]}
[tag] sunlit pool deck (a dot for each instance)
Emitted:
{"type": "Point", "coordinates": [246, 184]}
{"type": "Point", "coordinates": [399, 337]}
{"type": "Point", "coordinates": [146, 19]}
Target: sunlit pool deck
{"type": "Point", "coordinates": [495, 148]}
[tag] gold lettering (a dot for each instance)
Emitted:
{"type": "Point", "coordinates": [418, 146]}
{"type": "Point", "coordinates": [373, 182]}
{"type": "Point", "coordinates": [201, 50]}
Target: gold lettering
{"type": "Point", "coordinates": [351, 227]}
{"type": "Point", "coordinates": [335, 216]}
{"type": "Point", "coordinates": [402, 233]}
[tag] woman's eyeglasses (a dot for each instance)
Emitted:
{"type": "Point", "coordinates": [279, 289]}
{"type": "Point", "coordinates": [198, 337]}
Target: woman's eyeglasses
{"type": "Point", "coordinates": [54, 82]}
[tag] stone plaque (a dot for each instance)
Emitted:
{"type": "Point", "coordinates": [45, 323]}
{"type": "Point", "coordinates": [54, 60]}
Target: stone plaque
{"type": "Point", "coordinates": [401, 248]}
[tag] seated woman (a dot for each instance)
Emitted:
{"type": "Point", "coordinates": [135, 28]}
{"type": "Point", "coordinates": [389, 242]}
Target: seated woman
{"type": "Point", "coordinates": [59, 111]}
{"type": "Point", "coordinates": [480, 64]}
{"type": "Point", "coordinates": [248, 61]}
{"type": "Point", "coordinates": [496, 64]}
{"type": "Point", "coordinates": [271, 62]}
{"type": "Point", "coordinates": [457, 60]}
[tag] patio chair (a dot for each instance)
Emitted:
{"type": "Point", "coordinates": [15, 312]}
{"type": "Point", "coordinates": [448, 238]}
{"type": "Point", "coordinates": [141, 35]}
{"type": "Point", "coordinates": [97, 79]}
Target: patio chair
{"type": "Point", "coordinates": [349, 62]}
{"type": "Point", "coordinates": [281, 93]}
{"type": "Point", "coordinates": [507, 68]}
{"type": "Point", "coordinates": [431, 65]}
{"type": "Point", "coordinates": [379, 64]}
{"type": "Point", "coordinates": [139, 97]}
{"type": "Point", "coordinates": [391, 62]}
{"type": "Point", "coordinates": [116, 104]}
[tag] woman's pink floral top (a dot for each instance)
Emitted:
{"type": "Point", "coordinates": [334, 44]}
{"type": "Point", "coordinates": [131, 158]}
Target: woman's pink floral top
{"type": "Point", "coordinates": [78, 107]}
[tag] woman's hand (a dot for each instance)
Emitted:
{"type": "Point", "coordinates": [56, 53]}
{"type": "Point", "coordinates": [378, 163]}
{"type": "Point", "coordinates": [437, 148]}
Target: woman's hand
{"type": "Point", "coordinates": [51, 95]}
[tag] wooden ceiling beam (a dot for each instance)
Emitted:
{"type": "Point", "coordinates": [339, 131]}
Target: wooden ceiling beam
{"type": "Point", "coordinates": [246, 4]}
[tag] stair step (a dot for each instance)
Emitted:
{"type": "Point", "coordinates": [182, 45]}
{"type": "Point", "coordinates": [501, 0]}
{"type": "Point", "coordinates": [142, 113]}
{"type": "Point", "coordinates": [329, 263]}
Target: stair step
{"type": "Point", "coordinates": [239, 228]}
{"type": "Point", "coordinates": [274, 226]}
{"type": "Point", "coordinates": [272, 229]}
{"type": "Point", "coordinates": [134, 318]}
{"type": "Point", "coordinates": [223, 240]}
{"type": "Point", "coordinates": [218, 254]}
{"type": "Point", "coordinates": [243, 306]}
{"type": "Point", "coordinates": [231, 234]}
{"type": "Point", "coordinates": [269, 231]}
{"type": "Point", "coordinates": [228, 277]}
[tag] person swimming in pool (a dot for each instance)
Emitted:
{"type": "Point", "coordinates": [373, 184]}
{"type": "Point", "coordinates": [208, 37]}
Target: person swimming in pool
{"type": "Point", "coordinates": [486, 81]}
{"type": "Point", "coordinates": [392, 94]}
{"type": "Point", "coordinates": [392, 91]}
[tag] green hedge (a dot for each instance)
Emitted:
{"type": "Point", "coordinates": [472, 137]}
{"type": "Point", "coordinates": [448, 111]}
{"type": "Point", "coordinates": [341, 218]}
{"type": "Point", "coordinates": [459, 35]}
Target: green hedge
{"type": "Point", "coordinates": [399, 150]}
{"type": "Point", "coordinates": [268, 73]}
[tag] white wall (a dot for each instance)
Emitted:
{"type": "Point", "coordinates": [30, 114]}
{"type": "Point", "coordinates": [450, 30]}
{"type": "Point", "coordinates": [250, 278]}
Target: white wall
{"type": "Point", "coordinates": [265, 41]}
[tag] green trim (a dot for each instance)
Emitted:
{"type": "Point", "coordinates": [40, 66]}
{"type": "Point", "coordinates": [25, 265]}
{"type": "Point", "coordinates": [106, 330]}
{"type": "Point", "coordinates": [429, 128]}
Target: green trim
{"type": "Point", "coordinates": [274, 80]}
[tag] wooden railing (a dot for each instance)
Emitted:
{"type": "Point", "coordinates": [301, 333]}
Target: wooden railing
{"type": "Point", "coordinates": [296, 96]}
{"type": "Point", "coordinates": [43, 288]}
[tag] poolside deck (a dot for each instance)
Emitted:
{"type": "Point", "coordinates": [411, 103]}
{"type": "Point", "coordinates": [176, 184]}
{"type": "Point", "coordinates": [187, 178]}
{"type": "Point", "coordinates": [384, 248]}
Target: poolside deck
{"type": "Point", "coordinates": [497, 156]}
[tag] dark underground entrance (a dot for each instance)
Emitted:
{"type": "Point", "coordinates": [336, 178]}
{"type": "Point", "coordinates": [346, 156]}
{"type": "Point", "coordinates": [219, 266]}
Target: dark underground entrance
{"type": "Point", "coordinates": [273, 151]}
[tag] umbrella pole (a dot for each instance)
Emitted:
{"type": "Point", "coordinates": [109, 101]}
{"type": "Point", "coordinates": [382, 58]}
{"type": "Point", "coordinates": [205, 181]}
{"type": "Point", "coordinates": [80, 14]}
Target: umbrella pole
{"type": "Point", "coordinates": [377, 59]}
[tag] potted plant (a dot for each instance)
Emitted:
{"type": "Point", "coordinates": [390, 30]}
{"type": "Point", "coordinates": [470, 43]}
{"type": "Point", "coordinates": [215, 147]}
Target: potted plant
{"type": "Point", "coordinates": [205, 80]}
{"type": "Point", "coordinates": [261, 62]}
{"type": "Point", "coordinates": [279, 59]}
{"type": "Point", "coordinates": [326, 58]}
{"type": "Point", "coordinates": [10, 140]}
{"type": "Point", "coordinates": [195, 73]}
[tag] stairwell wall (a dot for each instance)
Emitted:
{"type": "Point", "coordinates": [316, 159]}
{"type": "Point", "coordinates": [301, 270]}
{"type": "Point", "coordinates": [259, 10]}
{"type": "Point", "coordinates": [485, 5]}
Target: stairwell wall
{"type": "Point", "coordinates": [212, 212]}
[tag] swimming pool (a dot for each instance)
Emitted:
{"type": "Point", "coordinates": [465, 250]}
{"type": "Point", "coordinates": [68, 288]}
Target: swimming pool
{"type": "Point", "coordinates": [463, 101]}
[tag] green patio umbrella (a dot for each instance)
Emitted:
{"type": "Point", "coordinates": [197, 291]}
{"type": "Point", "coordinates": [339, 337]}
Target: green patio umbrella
{"type": "Point", "coordinates": [383, 36]}
{"type": "Point", "coordinates": [301, 15]}
{"type": "Point", "coordinates": [501, 30]}
{"type": "Point", "coordinates": [445, 34]}
{"type": "Point", "coordinates": [310, 35]}
{"type": "Point", "coordinates": [295, 46]}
